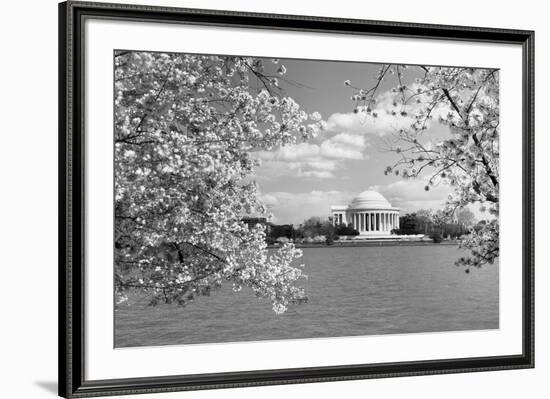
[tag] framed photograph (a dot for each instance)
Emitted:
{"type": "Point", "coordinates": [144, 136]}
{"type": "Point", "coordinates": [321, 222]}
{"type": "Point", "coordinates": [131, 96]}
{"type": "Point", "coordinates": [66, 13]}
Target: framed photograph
{"type": "Point", "coordinates": [251, 199]}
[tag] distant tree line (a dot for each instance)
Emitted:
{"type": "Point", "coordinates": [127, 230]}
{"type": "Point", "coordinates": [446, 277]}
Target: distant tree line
{"type": "Point", "coordinates": [425, 221]}
{"type": "Point", "coordinates": [312, 230]}
{"type": "Point", "coordinates": [435, 224]}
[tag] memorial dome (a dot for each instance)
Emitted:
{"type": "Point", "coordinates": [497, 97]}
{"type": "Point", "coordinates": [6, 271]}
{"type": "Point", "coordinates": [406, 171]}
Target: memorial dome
{"type": "Point", "coordinates": [371, 200]}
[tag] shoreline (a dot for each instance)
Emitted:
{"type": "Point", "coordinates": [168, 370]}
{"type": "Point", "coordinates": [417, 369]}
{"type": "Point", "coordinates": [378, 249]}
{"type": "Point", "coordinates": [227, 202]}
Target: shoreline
{"type": "Point", "coordinates": [370, 243]}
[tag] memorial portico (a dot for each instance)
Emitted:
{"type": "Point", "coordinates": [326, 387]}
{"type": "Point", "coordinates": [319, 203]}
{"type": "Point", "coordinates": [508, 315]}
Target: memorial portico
{"type": "Point", "coordinates": [369, 213]}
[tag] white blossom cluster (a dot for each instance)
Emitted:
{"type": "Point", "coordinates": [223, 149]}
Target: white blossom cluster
{"type": "Point", "coordinates": [184, 129]}
{"type": "Point", "coordinates": [466, 100]}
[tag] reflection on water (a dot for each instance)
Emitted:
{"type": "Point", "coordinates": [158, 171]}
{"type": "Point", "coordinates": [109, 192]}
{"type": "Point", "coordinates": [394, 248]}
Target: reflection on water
{"type": "Point", "coordinates": [352, 291]}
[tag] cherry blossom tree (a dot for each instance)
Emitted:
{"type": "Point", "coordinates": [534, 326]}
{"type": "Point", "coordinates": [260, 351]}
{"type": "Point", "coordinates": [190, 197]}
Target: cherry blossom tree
{"type": "Point", "coordinates": [465, 217]}
{"type": "Point", "coordinates": [466, 101]}
{"type": "Point", "coordinates": [185, 126]}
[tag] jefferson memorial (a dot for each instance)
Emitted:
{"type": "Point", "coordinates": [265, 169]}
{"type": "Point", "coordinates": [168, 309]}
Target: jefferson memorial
{"type": "Point", "coordinates": [369, 213]}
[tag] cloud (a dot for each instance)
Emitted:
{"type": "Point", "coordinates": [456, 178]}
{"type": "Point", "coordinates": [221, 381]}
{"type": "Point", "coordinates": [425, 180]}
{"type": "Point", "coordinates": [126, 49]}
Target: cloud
{"type": "Point", "coordinates": [317, 168]}
{"type": "Point", "coordinates": [349, 140]}
{"type": "Point", "coordinates": [294, 208]}
{"type": "Point", "coordinates": [297, 152]}
{"type": "Point", "coordinates": [365, 124]}
{"type": "Point", "coordinates": [389, 115]}
{"type": "Point", "coordinates": [319, 174]}
{"type": "Point", "coordinates": [312, 160]}
{"type": "Point", "coordinates": [343, 146]}
{"type": "Point", "coordinates": [269, 200]}
{"type": "Point", "coordinates": [324, 165]}
{"type": "Point", "coordinates": [410, 195]}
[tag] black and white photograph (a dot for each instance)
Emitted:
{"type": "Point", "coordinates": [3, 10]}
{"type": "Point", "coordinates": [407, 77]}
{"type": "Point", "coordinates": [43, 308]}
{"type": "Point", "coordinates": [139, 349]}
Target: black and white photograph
{"type": "Point", "coordinates": [209, 199]}
{"type": "Point", "coordinates": [265, 198]}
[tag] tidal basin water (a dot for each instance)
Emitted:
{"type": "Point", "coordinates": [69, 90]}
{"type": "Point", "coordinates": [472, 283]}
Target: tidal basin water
{"type": "Point", "coordinates": [351, 290]}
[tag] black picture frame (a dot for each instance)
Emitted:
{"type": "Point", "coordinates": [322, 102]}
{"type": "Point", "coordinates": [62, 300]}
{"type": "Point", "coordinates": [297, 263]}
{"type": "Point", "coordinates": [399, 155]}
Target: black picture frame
{"type": "Point", "coordinates": [72, 383]}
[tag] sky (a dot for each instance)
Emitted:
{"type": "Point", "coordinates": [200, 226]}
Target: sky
{"type": "Point", "coordinates": [304, 180]}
